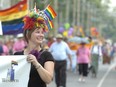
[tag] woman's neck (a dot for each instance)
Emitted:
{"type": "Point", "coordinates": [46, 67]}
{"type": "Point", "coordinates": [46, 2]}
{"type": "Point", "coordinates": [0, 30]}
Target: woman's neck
{"type": "Point", "coordinates": [29, 48]}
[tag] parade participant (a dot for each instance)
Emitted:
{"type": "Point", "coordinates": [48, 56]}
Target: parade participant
{"type": "Point", "coordinates": [106, 48]}
{"type": "Point", "coordinates": [3, 49]}
{"type": "Point", "coordinates": [83, 59]}
{"type": "Point", "coordinates": [61, 52]}
{"type": "Point", "coordinates": [96, 53]}
{"type": "Point", "coordinates": [42, 62]}
{"type": "Point", "coordinates": [19, 44]}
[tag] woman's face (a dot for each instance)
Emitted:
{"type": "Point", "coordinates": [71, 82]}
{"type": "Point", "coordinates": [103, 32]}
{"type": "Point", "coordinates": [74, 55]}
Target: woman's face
{"type": "Point", "coordinates": [37, 36]}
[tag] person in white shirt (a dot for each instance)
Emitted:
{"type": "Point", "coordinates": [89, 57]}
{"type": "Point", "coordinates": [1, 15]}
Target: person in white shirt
{"type": "Point", "coordinates": [60, 51]}
{"type": "Point", "coordinates": [96, 53]}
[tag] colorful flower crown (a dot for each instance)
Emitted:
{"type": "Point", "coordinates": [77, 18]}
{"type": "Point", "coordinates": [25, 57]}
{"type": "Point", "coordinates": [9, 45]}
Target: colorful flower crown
{"type": "Point", "coordinates": [37, 18]}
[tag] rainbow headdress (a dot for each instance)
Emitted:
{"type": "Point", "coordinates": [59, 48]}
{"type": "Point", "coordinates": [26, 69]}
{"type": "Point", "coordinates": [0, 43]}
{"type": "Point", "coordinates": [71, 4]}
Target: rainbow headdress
{"type": "Point", "coordinates": [37, 18]}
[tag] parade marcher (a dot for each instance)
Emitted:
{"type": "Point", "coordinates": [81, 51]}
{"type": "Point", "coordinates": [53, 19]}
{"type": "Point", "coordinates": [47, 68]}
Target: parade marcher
{"type": "Point", "coordinates": [60, 51]}
{"type": "Point", "coordinates": [3, 49]}
{"type": "Point", "coordinates": [83, 59]}
{"type": "Point", "coordinates": [19, 44]}
{"type": "Point", "coordinates": [106, 53]}
{"type": "Point", "coordinates": [113, 51]}
{"type": "Point", "coordinates": [42, 62]}
{"type": "Point", "coordinates": [50, 41]}
{"type": "Point", "coordinates": [96, 53]}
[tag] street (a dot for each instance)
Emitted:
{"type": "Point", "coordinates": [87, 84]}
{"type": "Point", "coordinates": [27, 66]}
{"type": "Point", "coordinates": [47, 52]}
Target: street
{"type": "Point", "coordinates": [106, 78]}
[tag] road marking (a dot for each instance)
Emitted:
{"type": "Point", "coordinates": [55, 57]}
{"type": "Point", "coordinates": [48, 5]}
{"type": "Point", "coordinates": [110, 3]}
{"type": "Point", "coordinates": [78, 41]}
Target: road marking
{"type": "Point", "coordinates": [105, 75]}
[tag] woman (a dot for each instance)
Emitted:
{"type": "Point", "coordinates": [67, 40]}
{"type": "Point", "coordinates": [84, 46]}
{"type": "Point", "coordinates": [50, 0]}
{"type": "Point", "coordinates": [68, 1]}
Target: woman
{"type": "Point", "coordinates": [42, 63]}
{"type": "Point", "coordinates": [83, 59]}
{"type": "Point", "coordinates": [106, 53]}
{"type": "Point", "coordinates": [96, 53]}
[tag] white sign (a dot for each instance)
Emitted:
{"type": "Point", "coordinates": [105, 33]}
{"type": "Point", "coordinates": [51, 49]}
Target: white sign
{"type": "Point", "coordinates": [14, 71]}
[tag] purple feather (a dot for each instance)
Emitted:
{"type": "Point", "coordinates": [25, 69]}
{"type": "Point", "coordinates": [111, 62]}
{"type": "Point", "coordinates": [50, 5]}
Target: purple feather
{"type": "Point", "coordinates": [35, 53]}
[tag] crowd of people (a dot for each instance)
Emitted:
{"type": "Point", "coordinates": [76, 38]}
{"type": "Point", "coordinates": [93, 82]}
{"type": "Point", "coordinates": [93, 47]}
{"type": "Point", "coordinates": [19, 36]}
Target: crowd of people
{"type": "Point", "coordinates": [81, 59]}
{"type": "Point", "coordinates": [12, 45]}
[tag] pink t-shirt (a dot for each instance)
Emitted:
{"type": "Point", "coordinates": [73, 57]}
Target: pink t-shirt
{"type": "Point", "coordinates": [5, 50]}
{"type": "Point", "coordinates": [19, 45]}
{"type": "Point", "coordinates": [83, 54]}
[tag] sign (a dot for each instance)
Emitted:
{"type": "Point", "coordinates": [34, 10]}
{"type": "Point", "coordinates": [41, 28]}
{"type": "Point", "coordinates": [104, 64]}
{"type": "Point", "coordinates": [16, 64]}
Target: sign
{"type": "Point", "coordinates": [14, 71]}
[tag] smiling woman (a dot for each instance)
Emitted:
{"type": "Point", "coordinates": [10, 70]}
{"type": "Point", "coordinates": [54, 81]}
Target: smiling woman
{"type": "Point", "coordinates": [42, 62]}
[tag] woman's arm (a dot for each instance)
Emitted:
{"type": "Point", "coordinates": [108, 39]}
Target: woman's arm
{"type": "Point", "coordinates": [46, 72]}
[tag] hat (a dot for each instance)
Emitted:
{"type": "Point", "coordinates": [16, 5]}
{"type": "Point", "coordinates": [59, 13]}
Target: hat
{"type": "Point", "coordinates": [59, 36]}
{"type": "Point", "coordinates": [37, 18]}
{"type": "Point", "coordinates": [19, 35]}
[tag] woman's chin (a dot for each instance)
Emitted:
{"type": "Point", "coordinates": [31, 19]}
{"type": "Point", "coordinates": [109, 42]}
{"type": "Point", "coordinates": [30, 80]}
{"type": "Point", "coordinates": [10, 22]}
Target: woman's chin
{"type": "Point", "coordinates": [39, 42]}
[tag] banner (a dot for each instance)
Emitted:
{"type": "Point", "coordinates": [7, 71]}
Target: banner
{"type": "Point", "coordinates": [11, 18]}
{"type": "Point", "coordinates": [14, 71]}
{"type": "Point", "coordinates": [15, 12]}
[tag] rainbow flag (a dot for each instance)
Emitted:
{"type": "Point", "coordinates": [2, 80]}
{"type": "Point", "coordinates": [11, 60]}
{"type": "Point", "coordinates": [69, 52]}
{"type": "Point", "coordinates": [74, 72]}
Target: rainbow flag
{"type": "Point", "coordinates": [15, 12]}
{"type": "Point", "coordinates": [11, 27]}
{"type": "Point", "coordinates": [49, 24]}
{"type": "Point", "coordinates": [50, 13]}
{"type": "Point", "coordinates": [11, 19]}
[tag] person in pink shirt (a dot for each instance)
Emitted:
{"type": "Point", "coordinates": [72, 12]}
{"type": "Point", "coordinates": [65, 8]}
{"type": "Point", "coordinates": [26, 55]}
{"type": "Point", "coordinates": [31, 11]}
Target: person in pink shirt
{"type": "Point", "coordinates": [5, 50]}
{"type": "Point", "coordinates": [20, 44]}
{"type": "Point", "coordinates": [83, 59]}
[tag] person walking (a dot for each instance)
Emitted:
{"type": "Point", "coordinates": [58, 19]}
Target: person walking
{"type": "Point", "coordinates": [3, 49]}
{"type": "Point", "coordinates": [19, 44]}
{"type": "Point", "coordinates": [60, 51]}
{"type": "Point", "coordinates": [96, 53]}
{"type": "Point", "coordinates": [83, 59]}
{"type": "Point", "coordinates": [42, 62]}
{"type": "Point", "coordinates": [106, 49]}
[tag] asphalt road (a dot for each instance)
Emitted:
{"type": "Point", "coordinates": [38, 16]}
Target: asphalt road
{"type": "Point", "coordinates": [106, 78]}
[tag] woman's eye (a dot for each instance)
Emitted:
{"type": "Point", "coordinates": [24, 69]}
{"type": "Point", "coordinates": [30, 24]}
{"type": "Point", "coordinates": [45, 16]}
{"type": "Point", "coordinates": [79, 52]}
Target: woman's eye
{"type": "Point", "coordinates": [38, 31]}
